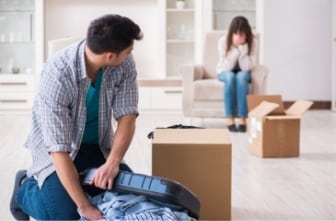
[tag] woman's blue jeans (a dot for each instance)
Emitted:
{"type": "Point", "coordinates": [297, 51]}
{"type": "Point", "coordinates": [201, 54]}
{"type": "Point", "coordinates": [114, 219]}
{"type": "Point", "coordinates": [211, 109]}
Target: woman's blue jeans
{"type": "Point", "coordinates": [52, 202]}
{"type": "Point", "coordinates": [235, 90]}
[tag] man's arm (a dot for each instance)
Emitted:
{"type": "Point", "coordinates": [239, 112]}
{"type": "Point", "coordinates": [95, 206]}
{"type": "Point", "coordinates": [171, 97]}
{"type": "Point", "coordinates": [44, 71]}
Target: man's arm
{"type": "Point", "coordinates": [104, 176]}
{"type": "Point", "coordinates": [69, 178]}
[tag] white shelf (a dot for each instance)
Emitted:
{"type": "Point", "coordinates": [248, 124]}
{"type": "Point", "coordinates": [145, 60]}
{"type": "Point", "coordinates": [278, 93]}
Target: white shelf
{"type": "Point", "coordinates": [234, 10]}
{"type": "Point", "coordinates": [178, 41]}
{"type": "Point", "coordinates": [180, 10]}
{"type": "Point", "coordinates": [15, 75]}
{"type": "Point", "coordinates": [14, 43]}
{"type": "Point", "coordinates": [16, 11]}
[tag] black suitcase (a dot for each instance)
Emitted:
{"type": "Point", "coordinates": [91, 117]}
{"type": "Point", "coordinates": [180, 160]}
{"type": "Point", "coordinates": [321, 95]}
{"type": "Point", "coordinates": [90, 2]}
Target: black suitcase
{"type": "Point", "coordinates": [157, 188]}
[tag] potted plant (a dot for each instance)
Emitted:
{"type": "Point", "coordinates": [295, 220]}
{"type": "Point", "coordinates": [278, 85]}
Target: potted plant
{"type": "Point", "coordinates": [180, 4]}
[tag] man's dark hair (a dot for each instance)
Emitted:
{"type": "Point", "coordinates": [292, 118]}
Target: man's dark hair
{"type": "Point", "coordinates": [112, 33]}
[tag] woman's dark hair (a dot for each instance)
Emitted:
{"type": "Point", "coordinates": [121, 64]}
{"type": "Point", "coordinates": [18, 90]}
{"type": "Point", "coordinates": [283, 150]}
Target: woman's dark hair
{"type": "Point", "coordinates": [239, 24]}
{"type": "Point", "coordinates": [112, 33]}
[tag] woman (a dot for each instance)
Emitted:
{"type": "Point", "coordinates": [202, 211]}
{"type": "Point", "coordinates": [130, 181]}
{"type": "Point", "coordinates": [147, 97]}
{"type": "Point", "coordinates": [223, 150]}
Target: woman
{"type": "Point", "coordinates": [237, 57]}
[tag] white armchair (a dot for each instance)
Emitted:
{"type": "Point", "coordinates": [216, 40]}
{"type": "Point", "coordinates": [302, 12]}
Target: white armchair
{"type": "Point", "coordinates": [58, 44]}
{"type": "Point", "coordinates": [202, 92]}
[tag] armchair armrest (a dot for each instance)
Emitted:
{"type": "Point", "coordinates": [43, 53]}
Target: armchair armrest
{"type": "Point", "coordinates": [259, 79]}
{"type": "Point", "coordinates": [189, 73]}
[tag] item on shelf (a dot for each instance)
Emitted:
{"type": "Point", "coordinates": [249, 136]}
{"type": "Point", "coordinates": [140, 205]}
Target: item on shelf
{"type": "Point", "coordinates": [19, 36]}
{"type": "Point", "coordinates": [11, 36]}
{"type": "Point", "coordinates": [172, 32]}
{"type": "Point", "coordinates": [15, 70]}
{"type": "Point", "coordinates": [180, 4]}
{"type": "Point", "coordinates": [2, 37]}
{"type": "Point", "coordinates": [10, 65]}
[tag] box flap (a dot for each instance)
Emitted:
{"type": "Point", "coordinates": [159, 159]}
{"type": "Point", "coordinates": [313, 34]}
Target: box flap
{"type": "Point", "coordinates": [193, 136]}
{"type": "Point", "coordinates": [255, 100]}
{"type": "Point", "coordinates": [282, 117]}
{"type": "Point", "coordinates": [299, 107]}
{"type": "Point", "coordinates": [263, 109]}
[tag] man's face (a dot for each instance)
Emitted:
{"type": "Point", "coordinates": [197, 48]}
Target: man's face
{"type": "Point", "coordinates": [116, 59]}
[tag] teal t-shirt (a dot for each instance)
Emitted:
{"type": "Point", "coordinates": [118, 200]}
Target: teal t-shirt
{"type": "Point", "coordinates": [92, 108]}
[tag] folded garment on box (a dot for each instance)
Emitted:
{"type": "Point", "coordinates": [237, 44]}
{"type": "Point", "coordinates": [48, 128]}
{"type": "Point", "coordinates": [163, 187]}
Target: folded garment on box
{"type": "Point", "coordinates": [175, 126]}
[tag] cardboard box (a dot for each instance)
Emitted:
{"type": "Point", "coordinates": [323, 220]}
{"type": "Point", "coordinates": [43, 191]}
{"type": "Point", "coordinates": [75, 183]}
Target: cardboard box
{"type": "Point", "coordinates": [273, 131]}
{"type": "Point", "coordinates": [200, 159]}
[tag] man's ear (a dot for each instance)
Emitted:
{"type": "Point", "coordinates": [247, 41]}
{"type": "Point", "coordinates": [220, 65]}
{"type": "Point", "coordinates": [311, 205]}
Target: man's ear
{"type": "Point", "coordinates": [110, 56]}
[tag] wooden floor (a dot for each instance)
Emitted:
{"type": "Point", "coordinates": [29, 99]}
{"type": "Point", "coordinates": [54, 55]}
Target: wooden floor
{"type": "Point", "coordinates": [301, 188]}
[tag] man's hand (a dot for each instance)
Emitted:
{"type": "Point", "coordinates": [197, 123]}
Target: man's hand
{"type": "Point", "coordinates": [90, 212]}
{"type": "Point", "coordinates": [104, 176]}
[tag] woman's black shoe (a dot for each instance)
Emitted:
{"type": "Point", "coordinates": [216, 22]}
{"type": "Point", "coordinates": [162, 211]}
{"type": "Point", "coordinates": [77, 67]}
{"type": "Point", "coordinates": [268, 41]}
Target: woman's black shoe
{"type": "Point", "coordinates": [232, 128]}
{"type": "Point", "coordinates": [242, 128]}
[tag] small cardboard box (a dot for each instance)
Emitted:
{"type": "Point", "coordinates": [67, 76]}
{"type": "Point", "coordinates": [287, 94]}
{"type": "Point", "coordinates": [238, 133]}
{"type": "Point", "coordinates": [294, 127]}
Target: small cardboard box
{"type": "Point", "coordinates": [200, 159]}
{"type": "Point", "coordinates": [273, 131]}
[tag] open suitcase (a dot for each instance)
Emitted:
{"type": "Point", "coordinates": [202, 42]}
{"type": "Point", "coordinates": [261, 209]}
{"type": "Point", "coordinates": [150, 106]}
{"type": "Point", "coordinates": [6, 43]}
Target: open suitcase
{"type": "Point", "coordinates": [157, 188]}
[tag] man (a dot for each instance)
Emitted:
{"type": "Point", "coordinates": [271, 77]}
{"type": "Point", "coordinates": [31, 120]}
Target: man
{"type": "Point", "coordinates": [81, 88]}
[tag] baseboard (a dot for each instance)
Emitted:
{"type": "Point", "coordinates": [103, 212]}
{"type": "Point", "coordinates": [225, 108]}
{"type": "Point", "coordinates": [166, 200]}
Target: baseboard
{"type": "Point", "coordinates": [317, 105]}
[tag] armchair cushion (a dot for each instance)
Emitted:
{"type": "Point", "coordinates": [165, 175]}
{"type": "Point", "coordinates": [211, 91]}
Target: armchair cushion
{"type": "Point", "coordinates": [210, 53]}
{"type": "Point", "coordinates": [208, 90]}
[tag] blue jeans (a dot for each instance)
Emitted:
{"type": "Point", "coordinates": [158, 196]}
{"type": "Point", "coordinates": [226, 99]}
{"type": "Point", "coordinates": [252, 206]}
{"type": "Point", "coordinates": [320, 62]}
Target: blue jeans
{"type": "Point", "coordinates": [235, 90]}
{"type": "Point", "coordinates": [51, 201]}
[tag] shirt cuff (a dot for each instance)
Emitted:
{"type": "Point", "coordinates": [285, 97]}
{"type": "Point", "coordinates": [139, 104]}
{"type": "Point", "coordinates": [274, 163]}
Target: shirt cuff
{"type": "Point", "coordinates": [126, 111]}
{"type": "Point", "coordinates": [60, 148]}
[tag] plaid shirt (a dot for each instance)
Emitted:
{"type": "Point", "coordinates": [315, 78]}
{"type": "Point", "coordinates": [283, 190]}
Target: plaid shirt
{"type": "Point", "coordinates": [59, 111]}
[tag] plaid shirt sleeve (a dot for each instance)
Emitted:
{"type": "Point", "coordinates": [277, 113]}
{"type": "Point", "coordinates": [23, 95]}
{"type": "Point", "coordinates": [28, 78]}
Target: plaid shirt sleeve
{"type": "Point", "coordinates": [126, 97]}
{"type": "Point", "coordinates": [56, 123]}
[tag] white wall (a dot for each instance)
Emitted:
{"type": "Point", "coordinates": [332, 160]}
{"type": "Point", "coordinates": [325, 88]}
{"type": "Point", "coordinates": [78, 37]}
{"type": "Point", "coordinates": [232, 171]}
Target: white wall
{"type": "Point", "coordinates": [297, 48]}
{"type": "Point", "coordinates": [333, 83]}
{"type": "Point", "coordinates": [65, 18]}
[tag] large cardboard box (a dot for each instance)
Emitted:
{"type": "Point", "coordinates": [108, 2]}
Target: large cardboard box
{"type": "Point", "coordinates": [200, 159]}
{"type": "Point", "coordinates": [273, 131]}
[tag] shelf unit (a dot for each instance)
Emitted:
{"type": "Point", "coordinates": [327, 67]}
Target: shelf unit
{"type": "Point", "coordinates": [180, 30]}
{"type": "Point", "coordinates": [17, 54]}
{"type": "Point", "coordinates": [179, 35]}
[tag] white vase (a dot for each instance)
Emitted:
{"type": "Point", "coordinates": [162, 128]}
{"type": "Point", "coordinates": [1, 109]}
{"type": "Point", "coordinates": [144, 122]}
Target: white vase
{"type": "Point", "coordinates": [180, 4]}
